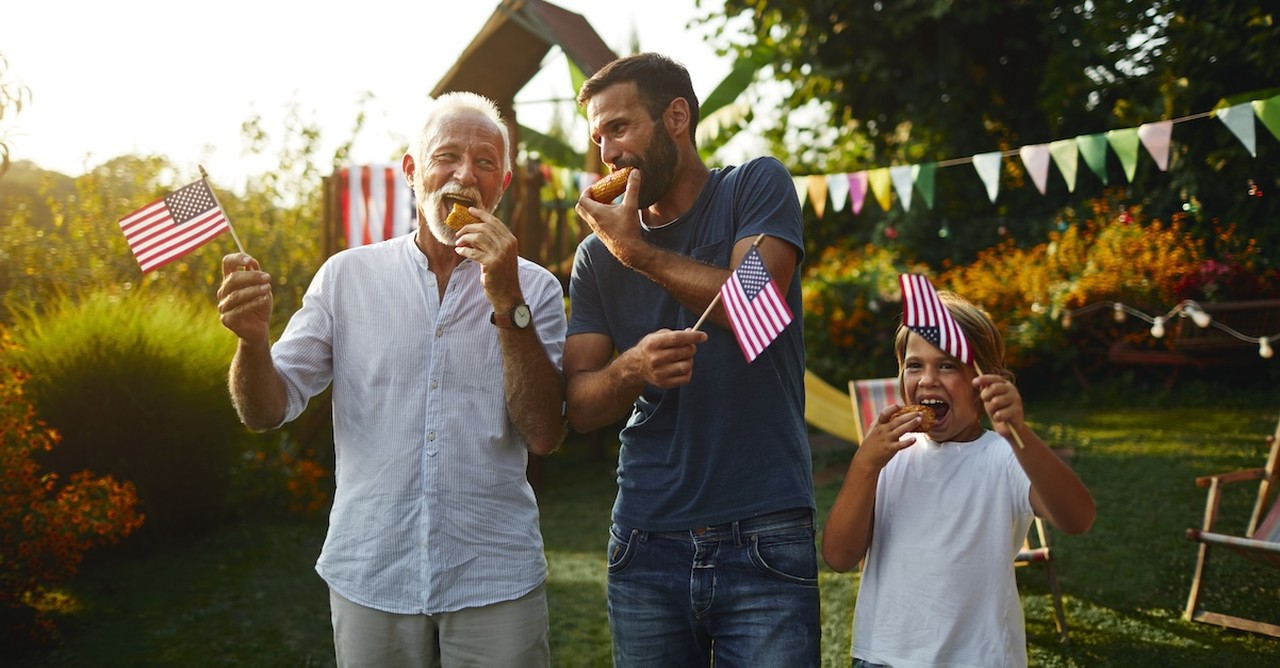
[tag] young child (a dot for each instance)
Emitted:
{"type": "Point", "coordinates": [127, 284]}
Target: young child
{"type": "Point", "coordinates": [939, 516]}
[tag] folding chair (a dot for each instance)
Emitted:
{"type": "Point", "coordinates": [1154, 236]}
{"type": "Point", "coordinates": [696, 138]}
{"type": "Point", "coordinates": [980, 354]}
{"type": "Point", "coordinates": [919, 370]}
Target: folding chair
{"type": "Point", "coordinates": [1259, 542]}
{"type": "Point", "coordinates": [869, 397]}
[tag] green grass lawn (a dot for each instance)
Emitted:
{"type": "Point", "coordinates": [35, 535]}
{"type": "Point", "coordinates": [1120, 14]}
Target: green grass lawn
{"type": "Point", "coordinates": [247, 595]}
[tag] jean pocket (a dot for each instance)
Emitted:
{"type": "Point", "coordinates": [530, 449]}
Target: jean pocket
{"type": "Point", "coordinates": [790, 556]}
{"type": "Point", "coordinates": [622, 547]}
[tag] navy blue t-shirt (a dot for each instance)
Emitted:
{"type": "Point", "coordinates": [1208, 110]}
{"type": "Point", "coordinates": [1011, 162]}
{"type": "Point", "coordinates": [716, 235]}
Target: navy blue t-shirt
{"type": "Point", "coordinates": [732, 444]}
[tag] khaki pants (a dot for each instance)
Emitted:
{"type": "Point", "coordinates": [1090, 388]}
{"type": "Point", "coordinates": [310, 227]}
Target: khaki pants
{"type": "Point", "coordinates": [510, 633]}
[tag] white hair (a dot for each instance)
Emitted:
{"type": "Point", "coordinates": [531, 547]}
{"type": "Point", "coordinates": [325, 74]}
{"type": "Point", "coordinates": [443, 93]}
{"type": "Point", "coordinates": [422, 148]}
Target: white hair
{"type": "Point", "coordinates": [456, 102]}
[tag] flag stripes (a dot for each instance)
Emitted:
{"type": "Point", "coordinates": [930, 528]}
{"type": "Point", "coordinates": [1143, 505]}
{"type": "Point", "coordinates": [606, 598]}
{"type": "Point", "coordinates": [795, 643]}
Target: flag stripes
{"type": "Point", "coordinates": [173, 225]}
{"type": "Point", "coordinates": [757, 312]}
{"type": "Point", "coordinates": [376, 203]}
{"type": "Point", "coordinates": [924, 314]}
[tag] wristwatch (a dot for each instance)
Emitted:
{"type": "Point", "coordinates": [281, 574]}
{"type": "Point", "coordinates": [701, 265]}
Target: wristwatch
{"type": "Point", "coordinates": [518, 318]}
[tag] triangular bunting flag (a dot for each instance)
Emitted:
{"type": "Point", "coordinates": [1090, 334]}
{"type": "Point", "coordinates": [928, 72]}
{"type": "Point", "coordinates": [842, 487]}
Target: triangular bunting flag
{"type": "Point", "coordinates": [901, 177]}
{"type": "Point", "coordinates": [857, 191]}
{"type": "Point", "coordinates": [1036, 159]}
{"type": "Point", "coordinates": [1066, 156]}
{"type": "Point", "coordinates": [802, 188]}
{"type": "Point", "coordinates": [925, 176]}
{"type": "Point", "coordinates": [878, 179]}
{"type": "Point", "coordinates": [1240, 119]}
{"type": "Point", "coordinates": [1156, 136]}
{"type": "Point", "coordinates": [1268, 112]}
{"type": "Point", "coordinates": [1125, 143]}
{"type": "Point", "coordinates": [988, 166]}
{"type": "Point", "coordinates": [818, 193]}
{"type": "Point", "coordinates": [838, 186]}
{"type": "Point", "coordinates": [1094, 149]}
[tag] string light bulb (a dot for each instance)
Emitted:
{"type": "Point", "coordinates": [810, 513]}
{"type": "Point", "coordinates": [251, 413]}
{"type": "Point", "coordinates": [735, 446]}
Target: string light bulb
{"type": "Point", "coordinates": [1157, 327]}
{"type": "Point", "coordinates": [1117, 312]}
{"type": "Point", "coordinates": [1197, 314]}
{"type": "Point", "coordinates": [1264, 348]}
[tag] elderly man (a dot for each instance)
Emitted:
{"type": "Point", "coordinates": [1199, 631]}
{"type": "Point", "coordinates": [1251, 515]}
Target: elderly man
{"type": "Point", "coordinates": [443, 348]}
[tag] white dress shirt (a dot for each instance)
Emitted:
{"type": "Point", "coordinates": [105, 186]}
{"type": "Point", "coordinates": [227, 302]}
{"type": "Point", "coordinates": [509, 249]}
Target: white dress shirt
{"type": "Point", "coordinates": [433, 511]}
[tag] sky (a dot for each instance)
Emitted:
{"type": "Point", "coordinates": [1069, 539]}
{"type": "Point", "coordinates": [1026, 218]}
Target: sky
{"type": "Point", "coordinates": [178, 78]}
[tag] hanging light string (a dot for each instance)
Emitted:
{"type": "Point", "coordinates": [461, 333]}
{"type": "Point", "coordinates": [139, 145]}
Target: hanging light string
{"type": "Point", "coordinates": [1186, 308]}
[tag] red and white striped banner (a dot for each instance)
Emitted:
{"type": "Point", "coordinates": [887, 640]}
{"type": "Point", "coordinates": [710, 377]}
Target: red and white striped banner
{"type": "Point", "coordinates": [376, 203]}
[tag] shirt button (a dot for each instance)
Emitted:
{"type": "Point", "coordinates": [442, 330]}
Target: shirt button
{"type": "Point", "coordinates": [431, 436]}
{"type": "Point", "coordinates": [435, 384]}
{"type": "Point", "coordinates": [439, 332]}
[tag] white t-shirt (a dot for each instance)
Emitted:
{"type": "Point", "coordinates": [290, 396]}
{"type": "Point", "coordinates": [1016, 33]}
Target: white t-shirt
{"type": "Point", "coordinates": [938, 587]}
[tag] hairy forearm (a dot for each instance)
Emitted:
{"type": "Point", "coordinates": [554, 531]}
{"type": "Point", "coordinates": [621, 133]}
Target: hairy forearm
{"type": "Point", "coordinates": [534, 391]}
{"type": "Point", "coordinates": [692, 283]}
{"type": "Point", "coordinates": [602, 397]}
{"type": "Point", "coordinates": [256, 388]}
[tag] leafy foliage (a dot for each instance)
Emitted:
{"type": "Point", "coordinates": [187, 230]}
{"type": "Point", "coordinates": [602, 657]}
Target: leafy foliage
{"type": "Point", "coordinates": [47, 523]}
{"type": "Point", "coordinates": [872, 84]}
{"type": "Point", "coordinates": [13, 96]}
{"type": "Point", "coordinates": [136, 385]}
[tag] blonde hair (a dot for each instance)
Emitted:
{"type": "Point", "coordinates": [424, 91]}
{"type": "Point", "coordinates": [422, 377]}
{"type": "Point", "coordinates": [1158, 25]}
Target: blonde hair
{"type": "Point", "coordinates": [984, 338]}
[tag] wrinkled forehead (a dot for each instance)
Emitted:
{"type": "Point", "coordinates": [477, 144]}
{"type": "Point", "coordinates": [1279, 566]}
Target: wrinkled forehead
{"type": "Point", "coordinates": [464, 129]}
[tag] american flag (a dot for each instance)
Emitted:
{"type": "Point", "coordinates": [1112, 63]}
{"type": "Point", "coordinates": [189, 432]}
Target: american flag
{"type": "Point", "coordinates": [756, 310]}
{"type": "Point", "coordinates": [174, 225]}
{"type": "Point", "coordinates": [376, 203]}
{"type": "Point", "coordinates": [924, 314]}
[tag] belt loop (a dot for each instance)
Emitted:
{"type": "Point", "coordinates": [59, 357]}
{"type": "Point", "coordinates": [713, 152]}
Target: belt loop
{"type": "Point", "coordinates": [737, 533]}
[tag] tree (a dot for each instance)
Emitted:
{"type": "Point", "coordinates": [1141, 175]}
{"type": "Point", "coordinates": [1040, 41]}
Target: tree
{"type": "Point", "coordinates": [13, 96]}
{"type": "Point", "coordinates": [915, 81]}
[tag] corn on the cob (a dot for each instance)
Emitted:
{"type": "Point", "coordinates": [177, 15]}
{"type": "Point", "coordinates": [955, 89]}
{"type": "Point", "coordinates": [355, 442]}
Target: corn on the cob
{"type": "Point", "coordinates": [607, 189]}
{"type": "Point", "coordinates": [459, 217]}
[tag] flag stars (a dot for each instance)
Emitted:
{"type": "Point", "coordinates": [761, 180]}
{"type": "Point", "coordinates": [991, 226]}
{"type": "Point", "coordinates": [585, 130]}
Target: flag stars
{"type": "Point", "coordinates": [189, 201]}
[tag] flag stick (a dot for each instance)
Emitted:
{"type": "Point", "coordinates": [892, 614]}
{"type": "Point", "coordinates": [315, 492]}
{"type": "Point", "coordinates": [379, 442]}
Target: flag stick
{"type": "Point", "coordinates": [716, 299]}
{"type": "Point", "coordinates": [204, 176]}
{"type": "Point", "coordinates": [1016, 437]}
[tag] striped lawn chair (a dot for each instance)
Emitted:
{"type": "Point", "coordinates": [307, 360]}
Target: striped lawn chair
{"type": "Point", "coordinates": [869, 397]}
{"type": "Point", "coordinates": [1259, 542]}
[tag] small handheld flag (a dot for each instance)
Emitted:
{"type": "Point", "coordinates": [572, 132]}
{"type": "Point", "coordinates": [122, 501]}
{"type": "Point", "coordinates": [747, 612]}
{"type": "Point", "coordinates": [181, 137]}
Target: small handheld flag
{"type": "Point", "coordinates": [757, 311]}
{"type": "Point", "coordinates": [174, 225]}
{"type": "Point", "coordinates": [924, 314]}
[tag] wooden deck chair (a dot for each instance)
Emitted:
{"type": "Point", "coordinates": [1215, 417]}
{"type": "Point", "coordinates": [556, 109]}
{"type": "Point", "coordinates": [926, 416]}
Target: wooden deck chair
{"type": "Point", "coordinates": [869, 397]}
{"type": "Point", "coordinates": [1259, 542]}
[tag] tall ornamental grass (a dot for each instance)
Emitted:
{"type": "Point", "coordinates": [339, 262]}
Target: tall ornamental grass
{"type": "Point", "coordinates": [136, 385]}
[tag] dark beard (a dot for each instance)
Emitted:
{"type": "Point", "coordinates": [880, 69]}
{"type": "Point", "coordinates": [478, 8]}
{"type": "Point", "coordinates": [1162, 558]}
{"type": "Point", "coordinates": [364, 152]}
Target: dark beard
{"type": "Point", "coordinates": [658, 165]}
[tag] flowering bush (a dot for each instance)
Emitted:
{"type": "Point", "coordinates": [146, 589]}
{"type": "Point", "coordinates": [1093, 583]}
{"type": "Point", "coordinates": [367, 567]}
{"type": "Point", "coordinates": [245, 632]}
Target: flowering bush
{"type": "Point", "coordinates": [1116, 254]}
{"type": "Point", "coordinates": [1113, 251]}
{"type": "Point", "coordinates": [46, 524]}
{"type": "Point", "coordinates": [851, 311]}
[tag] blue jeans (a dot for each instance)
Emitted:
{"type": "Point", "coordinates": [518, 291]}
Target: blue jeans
{"type": "Point", "coordinates": [746, 591]}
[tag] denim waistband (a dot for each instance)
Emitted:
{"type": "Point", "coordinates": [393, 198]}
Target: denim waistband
{"type": "Point", "coordinates": [784, 519]}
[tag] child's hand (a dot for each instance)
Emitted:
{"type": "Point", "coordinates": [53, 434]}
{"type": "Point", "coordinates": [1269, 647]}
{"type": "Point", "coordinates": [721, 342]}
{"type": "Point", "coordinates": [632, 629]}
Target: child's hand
{"type": "Point", "coordinates": [1002, 401]}
{"type": "Point", "coordinates": [887, 437]}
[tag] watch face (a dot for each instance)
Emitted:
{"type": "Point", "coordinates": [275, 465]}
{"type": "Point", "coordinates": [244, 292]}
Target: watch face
{"type": "Point", "coordinates": [520, 316]}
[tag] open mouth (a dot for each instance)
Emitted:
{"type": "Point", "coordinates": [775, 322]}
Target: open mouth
{"type": "Point", "coordinates": [940, 408]}
{"type": "Point", "coordinates": [450, 200]}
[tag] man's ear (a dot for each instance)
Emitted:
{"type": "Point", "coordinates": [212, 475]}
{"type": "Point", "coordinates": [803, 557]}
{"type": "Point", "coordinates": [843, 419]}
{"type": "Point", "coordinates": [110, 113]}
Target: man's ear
{"type": "Point", "coordinates": [506, 181]}
{"type": "Point", "coordinates": [677, 117]}
{"type": "Point", "coordinates": [407, 166]}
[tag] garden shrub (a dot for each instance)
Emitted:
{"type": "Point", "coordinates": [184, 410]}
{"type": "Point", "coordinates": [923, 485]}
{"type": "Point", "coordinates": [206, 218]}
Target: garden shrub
{"type": "Point", "coordinates": [1111, 252]}
{"type": "Point", "coordinates": [47, 521]}
{"type": "Point", "coordinates": [852, 306]}
{"type": "Point", "coordinates": [136, 384]}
